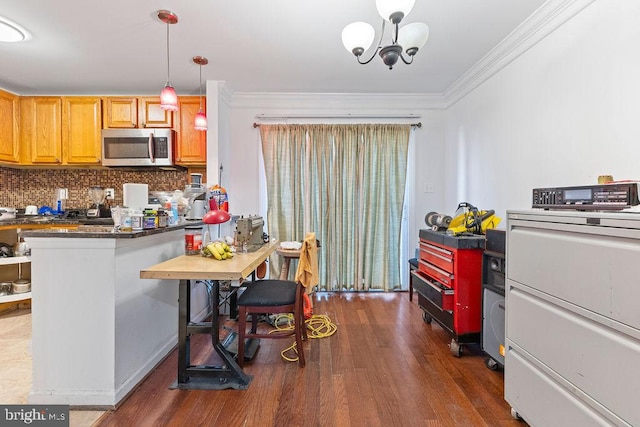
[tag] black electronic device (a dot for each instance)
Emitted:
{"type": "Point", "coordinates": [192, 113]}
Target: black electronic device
{"type": "Point", "coordinates": [614, 196]}
{"type": "Point", "coordinates": [493, 300]}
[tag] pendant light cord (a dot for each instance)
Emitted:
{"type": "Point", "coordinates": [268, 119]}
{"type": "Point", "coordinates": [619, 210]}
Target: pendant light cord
{"type": "Point", "coordinates": [200, 87]}
{"type": "Point", "coordinates": [168, 74]}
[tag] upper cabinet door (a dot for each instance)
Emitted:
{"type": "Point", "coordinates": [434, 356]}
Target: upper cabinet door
{"type": "Point", "coordinates": [81, 130]}
{"type": "Point", "coordinates": [151, 115]}
{"type": "Point", "coordinates": [41, 130]}
{"type": "Point", "coordinates": [136, 112]}
{"type": "Point", "coordinates": [191, 144]}
{"type": "Point", "coordinates": [121, 112]}
{"type": "Point", "coordinates": [9, 127]}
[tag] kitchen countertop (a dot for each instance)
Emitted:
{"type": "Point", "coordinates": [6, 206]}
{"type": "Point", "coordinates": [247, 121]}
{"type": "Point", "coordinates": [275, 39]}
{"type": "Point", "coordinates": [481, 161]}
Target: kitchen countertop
{"type": "Point", "coordinates": [54, 220]}
{"type": "Point", "coordinates": [102, 231]}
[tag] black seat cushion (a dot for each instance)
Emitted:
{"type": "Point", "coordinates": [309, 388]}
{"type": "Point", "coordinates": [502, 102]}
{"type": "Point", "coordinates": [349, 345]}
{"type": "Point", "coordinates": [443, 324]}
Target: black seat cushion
{"type": "Point", "coordinates": [268, 292]}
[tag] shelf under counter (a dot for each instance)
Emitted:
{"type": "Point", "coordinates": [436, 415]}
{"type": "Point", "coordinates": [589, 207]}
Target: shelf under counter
{"type": "Point", "coordinates": [15, 260]}
{"type": "Point", "coordinates": [15, 297]}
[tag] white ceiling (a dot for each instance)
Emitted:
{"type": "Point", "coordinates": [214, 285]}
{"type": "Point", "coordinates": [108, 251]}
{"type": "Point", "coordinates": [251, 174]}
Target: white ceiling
{"type": "Point", "coordinates": [89, 47]}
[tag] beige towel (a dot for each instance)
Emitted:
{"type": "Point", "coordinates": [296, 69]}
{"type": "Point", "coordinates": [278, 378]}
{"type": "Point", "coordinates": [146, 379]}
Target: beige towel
{"type": "Point", "coordinates": [307, 272]}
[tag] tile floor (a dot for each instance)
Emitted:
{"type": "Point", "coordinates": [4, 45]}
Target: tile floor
{"type": "Point", "coordinates": [15, 364]}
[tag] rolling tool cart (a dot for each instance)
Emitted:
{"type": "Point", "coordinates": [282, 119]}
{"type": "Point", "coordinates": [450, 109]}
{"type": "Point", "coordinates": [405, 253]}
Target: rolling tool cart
{"type": "Point", "coordinates": [448, 284]}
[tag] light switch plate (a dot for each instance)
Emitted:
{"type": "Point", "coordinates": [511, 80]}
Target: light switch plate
{"type": "Point", "coordinates": [109, 193]}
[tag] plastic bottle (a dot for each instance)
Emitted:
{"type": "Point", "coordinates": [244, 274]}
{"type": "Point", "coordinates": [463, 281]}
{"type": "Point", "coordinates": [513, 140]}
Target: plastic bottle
{"type": "Point", "coordinates": [221, 197]}
{"type": "Point", "coordinates": [136, 220]}
{"type": "Point", "coordinates": [175, 201]}
{"type": "Point", "coordinates": [149, 219]}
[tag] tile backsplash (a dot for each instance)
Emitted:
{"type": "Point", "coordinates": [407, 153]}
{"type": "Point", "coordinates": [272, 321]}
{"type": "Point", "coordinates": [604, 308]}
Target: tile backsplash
{"type": "Point", "coordinates": [22, 187]}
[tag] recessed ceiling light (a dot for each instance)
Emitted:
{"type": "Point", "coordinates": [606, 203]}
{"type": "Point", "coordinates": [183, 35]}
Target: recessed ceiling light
{"type": "Point", "coordinates": [12, 32]}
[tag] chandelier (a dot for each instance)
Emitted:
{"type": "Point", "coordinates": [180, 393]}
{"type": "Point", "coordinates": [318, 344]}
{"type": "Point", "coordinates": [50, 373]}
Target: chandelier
{"type": "Point", "coordinates": [357, 37]}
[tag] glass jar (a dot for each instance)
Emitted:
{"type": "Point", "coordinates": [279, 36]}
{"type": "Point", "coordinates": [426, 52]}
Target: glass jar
{"type": "Point", "coordinates": [163, 218]}
{"type": "Point", "coordinates": [192, 240]}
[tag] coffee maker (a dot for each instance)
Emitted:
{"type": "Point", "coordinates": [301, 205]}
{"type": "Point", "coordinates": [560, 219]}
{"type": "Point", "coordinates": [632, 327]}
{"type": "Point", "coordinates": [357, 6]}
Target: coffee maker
{"type": "Point", "coordinates": [97, 209]}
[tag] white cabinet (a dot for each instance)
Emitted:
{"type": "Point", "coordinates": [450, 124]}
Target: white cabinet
{"type": "Point", "coordinates": [572, 318]}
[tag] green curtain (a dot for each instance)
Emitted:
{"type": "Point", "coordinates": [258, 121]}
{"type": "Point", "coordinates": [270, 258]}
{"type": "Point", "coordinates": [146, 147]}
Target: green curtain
{"type": "Point", "coordinates": [346, 183]}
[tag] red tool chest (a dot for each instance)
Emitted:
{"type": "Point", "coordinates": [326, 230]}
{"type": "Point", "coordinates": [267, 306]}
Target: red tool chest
{"type": "Point", "coordinates": [448, 282]}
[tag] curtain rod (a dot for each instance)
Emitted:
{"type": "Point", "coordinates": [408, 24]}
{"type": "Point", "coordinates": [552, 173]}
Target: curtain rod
{"type": "Point", "coordinates": [417, 125]}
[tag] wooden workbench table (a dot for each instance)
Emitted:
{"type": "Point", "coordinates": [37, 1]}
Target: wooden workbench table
{"type": "Point", "coordinates": [185, 269]}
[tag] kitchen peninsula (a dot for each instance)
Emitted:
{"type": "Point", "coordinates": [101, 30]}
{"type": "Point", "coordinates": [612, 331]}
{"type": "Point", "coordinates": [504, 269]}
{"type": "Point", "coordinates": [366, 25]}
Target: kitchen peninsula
{"type": "Point", "coordinates": [98, 329]}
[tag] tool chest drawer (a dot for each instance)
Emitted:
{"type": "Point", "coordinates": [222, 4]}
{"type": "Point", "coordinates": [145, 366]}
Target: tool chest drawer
{"type": "Point", "coordinates": [437, 256]}
{"type": "Point", "coordinates": [436, 273]}
{"type": "Point", "coordinates": [439, 295]}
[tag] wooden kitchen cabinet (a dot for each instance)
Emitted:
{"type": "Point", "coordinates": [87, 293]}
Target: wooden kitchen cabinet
{"type": "Point", "coordinates": [60, 130]}
{"type": "Point", "coordinates": [81, 130]}
{"type": "Point", "coordinates": [135, 112]}
{"type": "Point", "coordinates": [151, 115]}
{"type": "Point", "coordinates": [40, 130]}
{"type": "Point", "coordinates": [191, 144]}
{"type": "Point", "coordinates": [9, 113]}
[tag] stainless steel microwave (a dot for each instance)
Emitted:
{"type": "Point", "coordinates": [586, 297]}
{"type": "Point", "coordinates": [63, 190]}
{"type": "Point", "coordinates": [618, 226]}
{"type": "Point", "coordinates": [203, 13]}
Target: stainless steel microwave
{"type": "Point", "coordinates": [137, 147]}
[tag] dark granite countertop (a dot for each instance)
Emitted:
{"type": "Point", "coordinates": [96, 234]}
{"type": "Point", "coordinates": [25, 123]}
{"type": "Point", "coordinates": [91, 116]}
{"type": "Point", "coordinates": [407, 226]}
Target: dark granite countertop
{"type": "Point", "coordinates": [474, 241]}
{"type": "Point", "coordinates": [39, 220]}
{"type": "Point", "coordinates": [102, 231]}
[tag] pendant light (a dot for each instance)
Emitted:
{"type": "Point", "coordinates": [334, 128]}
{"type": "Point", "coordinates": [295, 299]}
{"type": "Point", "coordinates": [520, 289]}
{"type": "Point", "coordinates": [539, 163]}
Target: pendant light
{"type": "Point", "coordinates": [200, 122]}
{"type": "Point", "coordinates": [168, 97]}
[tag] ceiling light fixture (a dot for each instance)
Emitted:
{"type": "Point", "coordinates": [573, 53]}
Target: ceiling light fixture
{"type": "Point", "coordinates": [12, 32]}
{"type": "Point", "coordinates": [168, 97]}
{"type": "Point", "coordinates": [201, 118]}
{"type": "Point", "coordinates": [358, 36]}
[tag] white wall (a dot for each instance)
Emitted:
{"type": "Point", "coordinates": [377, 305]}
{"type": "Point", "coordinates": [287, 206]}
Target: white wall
{"type": "Point", "coordinates": [560, 114]}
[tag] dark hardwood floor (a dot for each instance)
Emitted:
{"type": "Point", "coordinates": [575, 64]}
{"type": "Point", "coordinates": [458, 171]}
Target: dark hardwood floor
{"type": "Point", "coordinates": [383, 367]}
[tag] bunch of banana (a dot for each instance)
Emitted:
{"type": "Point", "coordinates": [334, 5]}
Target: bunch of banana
{"type": "Point", "coordinates": [218, 250]}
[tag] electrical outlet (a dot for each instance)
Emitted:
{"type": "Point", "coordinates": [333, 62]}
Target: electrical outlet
{"type": "Point", "coordinates": [110, 193]}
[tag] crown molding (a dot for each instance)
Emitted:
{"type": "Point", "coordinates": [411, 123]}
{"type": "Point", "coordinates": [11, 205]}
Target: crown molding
{"type": "Point", "coordinates": [546, 19]}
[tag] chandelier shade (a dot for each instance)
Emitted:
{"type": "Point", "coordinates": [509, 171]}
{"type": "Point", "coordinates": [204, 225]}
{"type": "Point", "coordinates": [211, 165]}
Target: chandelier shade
{"type": "Point", "coordinates": [168, 97]}
{"type": "Point", "coordinates": [358, 37]}
{"type": "Point", "coordinates": [413, 36]}
{"type": "Point", "coordinates": [389, 9]}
